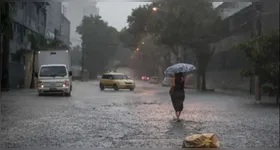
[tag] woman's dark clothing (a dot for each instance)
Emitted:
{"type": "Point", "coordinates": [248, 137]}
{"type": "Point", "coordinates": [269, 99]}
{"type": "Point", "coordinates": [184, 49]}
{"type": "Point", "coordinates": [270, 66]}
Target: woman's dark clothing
{"type": "Point", "coordinates": [178, 94]}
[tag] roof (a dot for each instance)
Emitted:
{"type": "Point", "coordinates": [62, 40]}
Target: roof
{"type": "Point", "coordinates": [53, 65]}
{"type": "Point", "coordinates": [225, 5]}
{"type": "Point", "coordinates": [113, 73]}
{"type": "Point", "coordinates": [229, 9]}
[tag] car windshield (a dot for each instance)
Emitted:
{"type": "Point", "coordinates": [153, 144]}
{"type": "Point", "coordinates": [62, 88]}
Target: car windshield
{"type": "Point", "coordinates": [50, 71]}
{"type": "Point", "coordinates": [119, 77]}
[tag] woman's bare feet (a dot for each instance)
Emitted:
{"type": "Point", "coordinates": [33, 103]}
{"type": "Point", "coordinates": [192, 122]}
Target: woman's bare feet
{"type": "Point", "coordinates": [178, 118]}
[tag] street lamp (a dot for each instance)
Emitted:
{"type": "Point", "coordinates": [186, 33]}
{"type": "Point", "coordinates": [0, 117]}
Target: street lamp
{"type": "Point", "coordinates": [155, 8]}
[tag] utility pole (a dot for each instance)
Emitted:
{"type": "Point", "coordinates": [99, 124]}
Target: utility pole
{"type": "Point", "coordinates": [258, 32]}
{"type": "Point", "coordinates": [83, 56]}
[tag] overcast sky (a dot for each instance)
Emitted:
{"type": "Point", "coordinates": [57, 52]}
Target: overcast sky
{"type": "Point", "coordinates": [115, 13]}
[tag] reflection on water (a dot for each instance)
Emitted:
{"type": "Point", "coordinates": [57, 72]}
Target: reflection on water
{"type": "Point", "coordinates": [177, 128]}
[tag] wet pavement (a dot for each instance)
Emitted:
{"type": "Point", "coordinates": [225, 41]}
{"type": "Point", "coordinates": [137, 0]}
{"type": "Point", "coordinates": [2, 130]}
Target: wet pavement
{"type": "Point", "coordinates": [140, 119]}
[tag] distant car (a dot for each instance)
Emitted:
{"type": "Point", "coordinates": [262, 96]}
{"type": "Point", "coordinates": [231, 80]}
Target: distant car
{"type": "Point", "coordinates": [154, 80]}
{"type": "Point", "coordinates": [145, 78]}
{"type": "Point", "coordinates": [116, 81]}
{"type": "Point", "coordinates": [167, 81]}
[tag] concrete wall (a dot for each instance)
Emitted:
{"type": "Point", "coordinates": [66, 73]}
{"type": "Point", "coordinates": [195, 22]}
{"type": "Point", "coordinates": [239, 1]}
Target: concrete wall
{"type": "Point", "coordinates": [228, 9]}
{"type": "Point", "coordinates": [270, 17]}
{"type": "Point", "coordinates": [29, 18]}
{"type": "Point", "coordinates": [30, 15]}
{"type": "Point", "coordinates": [53, 19]}
{"type": "Point", "coordinates": [229, 79]}
{"type": "Point", "coordinates": [75, 14]}
{"type": "Point", "coordinates": [16, 78]}
{"type": "Point", "coordinates": [65, 30]}
{"type": "Point", "coordinates": [226, 64]}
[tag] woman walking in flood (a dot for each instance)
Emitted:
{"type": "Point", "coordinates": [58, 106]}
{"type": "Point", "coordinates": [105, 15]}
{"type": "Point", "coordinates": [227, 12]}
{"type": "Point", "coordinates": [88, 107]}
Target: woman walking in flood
{"type": "Point", "coordinates": [177, 93]}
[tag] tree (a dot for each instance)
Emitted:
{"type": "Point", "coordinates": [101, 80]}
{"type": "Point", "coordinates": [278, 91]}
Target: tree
{"type": "Point", "coordinates": [76, 55]}
{"type": "Point", "coordinates": [100, 43]}
{"type": "Point", "coordinates": [128, 40]}
{"type": "Point", "coordinates": [263, 54]}
{"type": "Point", "coordinates": [6, 34]}
{"type": "Point", "coordinates": [191, 25]}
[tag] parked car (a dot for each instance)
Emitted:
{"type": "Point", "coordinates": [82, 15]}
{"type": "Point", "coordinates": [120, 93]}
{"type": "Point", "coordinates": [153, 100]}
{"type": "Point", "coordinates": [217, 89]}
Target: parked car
{"type": "Point", "coordinates": [154, 80]}
{"type": "Point", "coordinates": [167, 81]}
{"type": "Point", "coordinates": [116, 81]}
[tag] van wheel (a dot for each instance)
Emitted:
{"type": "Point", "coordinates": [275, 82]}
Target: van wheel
{"type": "Point", "coordinates": [131, 89]}
{"type": "Point", "coordinates": [116, 88]}
{"type": "Point", "coordinates": [101, 86]}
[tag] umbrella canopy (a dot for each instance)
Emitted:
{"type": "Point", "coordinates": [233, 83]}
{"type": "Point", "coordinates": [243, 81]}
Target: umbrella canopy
{"type": "Point", "coordinates": [181, 67]}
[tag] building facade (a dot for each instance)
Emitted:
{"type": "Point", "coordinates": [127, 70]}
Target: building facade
{"type": "Point", "coordinates": [91, 9]}
{"type": "Point", "coordinates": [53, 20]}
{"type": "Point", "coordinates": [58, 26]}
{"type": "Point", "coordinates": [41, 21]}
{"type": "Point", "coordinates": [64, 30]}
{"type": "Point", "coordinates": [240, 20]}
{"type": "Point", "coordinates": [75, 12]}
{"type": "Point", "coordinates": [28, 19]}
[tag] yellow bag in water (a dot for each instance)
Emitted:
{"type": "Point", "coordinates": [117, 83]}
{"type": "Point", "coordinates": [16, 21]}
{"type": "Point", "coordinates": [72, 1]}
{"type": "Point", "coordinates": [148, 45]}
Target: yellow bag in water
{"type": "Point", "coordinates": [206, 140]}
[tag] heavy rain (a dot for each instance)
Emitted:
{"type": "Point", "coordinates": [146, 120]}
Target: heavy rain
{"type": "Point", "coordinates": [162, 74]}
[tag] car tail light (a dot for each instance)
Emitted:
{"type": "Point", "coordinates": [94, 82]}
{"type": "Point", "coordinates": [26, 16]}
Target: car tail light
{"type": "Point", "coordinates": [143, 77]}
{"type": "Point", "coordinates": [66, 83]}
{"type": "Point", "coordinates": [148, 78]}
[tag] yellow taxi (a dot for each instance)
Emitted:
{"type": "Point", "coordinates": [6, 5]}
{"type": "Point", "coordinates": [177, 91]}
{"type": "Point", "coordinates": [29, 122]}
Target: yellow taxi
{"type": "Point", "coordinates": [116, 81]}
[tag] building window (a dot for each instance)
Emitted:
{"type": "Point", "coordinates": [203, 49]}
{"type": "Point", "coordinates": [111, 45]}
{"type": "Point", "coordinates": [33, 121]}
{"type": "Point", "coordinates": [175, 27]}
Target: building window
{"type": "Point", "coordinates": [23, 4]}
{"type": "Point", "coordinates": [258, 6]}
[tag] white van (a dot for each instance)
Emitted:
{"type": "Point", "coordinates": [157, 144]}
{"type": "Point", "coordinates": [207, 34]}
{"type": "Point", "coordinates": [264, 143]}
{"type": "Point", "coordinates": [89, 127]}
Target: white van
{"type": "Point", "coordinates": [54, 74]}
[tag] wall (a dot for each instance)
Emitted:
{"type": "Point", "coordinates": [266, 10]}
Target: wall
{"type": "Point", "coordinates": [75, 14]}
{"type": "Point", "coordinates": [31, 15]}
{"type": "Point", "coordinates": [228, 9]}
{"type": "Point", "coordinates": [270, 17]}
{"type": "Point", "coordinates": [53, 19]}
{"type": "Point", "coordinates": [65, 30]}
{"type": "Point", "coordinates": [29, 18]}
{"type": "Point", "coordinates": [226, 64]}
{"type": "Point", "coordinates": [91, 9]}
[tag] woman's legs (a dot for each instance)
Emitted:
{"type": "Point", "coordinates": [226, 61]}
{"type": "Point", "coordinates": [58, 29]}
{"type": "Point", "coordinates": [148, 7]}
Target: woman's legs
{"type": "Point", "coordinates": [177, 114]}
{"type": "Point", "coordinates": [181, 109]}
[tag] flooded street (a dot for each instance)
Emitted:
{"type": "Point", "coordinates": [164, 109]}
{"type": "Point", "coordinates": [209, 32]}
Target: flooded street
{"type": "Point", "coordinates": [139, 119]}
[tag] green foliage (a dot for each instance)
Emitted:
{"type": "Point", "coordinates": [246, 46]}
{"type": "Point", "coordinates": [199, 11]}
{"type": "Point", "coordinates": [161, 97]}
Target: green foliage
{"type": "Point", "coordinates": [100, 43]}
{"type": "Point", "coordinates": [178, 23]}
{"type": "Point", "coordinates": [191, 25]}
{"type": "Point", "coordinates": [139, 19]}
{"type": "Point", "coordinates": [128, 40]}
{"type": "Point", "coordinates": [263, 54]}
{"type": "Point", "coordinates": [76, 55]}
